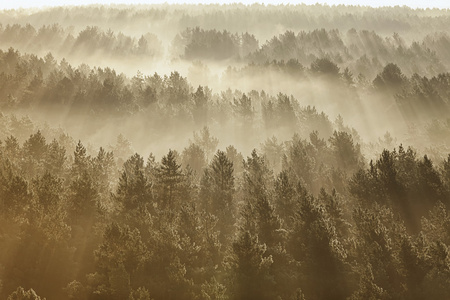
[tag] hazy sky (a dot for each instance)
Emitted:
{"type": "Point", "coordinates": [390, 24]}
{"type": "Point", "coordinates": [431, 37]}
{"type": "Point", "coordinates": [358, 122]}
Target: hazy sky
{"type": "Point", "coordinates": [8, 4]}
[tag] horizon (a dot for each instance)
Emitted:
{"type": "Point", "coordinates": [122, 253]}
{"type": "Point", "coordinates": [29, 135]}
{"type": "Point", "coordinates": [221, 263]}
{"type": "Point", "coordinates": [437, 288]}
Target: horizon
{"type": "Point", "coordinates": [415, 4]}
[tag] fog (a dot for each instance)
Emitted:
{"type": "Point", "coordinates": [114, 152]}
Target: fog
{"type": "Point", "coordinates": [224, 152]}
{"type": "Point", "coordinates": [158, 39]}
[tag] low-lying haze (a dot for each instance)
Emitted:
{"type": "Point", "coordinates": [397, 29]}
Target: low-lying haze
{"type": "Point", "coordinates": [442, 4]}
{"type": "Point", "coordinates": [198, 152]}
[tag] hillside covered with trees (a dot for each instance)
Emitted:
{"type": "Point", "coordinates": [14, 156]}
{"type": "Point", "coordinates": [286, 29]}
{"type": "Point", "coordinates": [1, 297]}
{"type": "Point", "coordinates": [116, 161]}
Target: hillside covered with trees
{"type": "Point", "coordinates": [197, 152]}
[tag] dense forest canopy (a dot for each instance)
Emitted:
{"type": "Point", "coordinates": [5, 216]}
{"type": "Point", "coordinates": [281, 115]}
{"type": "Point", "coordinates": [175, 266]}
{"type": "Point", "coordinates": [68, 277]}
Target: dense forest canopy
{"type": "Point", "coordinates": [224, 152]}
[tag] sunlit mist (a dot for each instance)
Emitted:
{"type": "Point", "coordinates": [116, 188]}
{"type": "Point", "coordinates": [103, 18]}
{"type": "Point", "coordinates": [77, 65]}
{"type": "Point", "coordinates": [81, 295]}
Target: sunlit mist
{"type": "Point", "coordinates": [224, 150]}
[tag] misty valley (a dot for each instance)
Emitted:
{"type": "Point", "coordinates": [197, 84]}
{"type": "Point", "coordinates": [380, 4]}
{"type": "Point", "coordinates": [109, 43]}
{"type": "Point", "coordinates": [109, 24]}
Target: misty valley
{"type": "Point", "coordinates": [227, 152]}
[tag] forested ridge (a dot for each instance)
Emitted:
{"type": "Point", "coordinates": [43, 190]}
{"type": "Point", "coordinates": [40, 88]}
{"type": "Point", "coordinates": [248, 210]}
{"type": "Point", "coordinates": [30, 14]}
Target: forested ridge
{"type": "Point", "coordinates": [309, 161]}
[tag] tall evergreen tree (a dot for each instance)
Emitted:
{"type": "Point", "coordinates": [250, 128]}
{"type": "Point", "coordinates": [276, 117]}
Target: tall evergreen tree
{"type": "Point", "coordinates": [216, 193]}
{"type": "Point", "coordinates": [170, 182]}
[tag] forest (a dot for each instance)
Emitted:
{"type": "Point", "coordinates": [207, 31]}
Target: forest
{"type": "Point", "coordinates": [224, 152]}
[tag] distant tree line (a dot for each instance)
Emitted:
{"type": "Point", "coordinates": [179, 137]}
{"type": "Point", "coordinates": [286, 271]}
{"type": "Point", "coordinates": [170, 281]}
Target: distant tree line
{"type": "Point", "coordinates": [31, 82]}
{"type": "Point", "coordinates": [196, 43]}
{"type": "Point", "coordinates": [363, 52]}
{"type": "Point", "coordinates": [90, 40]}
{"type": "Point", "coordinates": [94, 97]}
{"type": "Point", "coordinates": [240, 18]}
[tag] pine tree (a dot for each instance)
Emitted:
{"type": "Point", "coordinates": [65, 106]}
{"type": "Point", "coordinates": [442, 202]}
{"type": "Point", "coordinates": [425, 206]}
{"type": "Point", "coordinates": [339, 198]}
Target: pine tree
{"type": "Point", "coordinates": [81, 161]}
{"type": "Point", "coordinates": [315, 245]}
{"type": "Point", "coordinates": [200, 99]}
{"type": "Point", "coordinates": [284, 198]}
{"type": "Point", "coordinates": [170, 180]}
{"type": "Point", "coordinates": [250, 268]}
{"type": "Point", "coordinates": [206, 141]}
{"type": "Point", "coordinates": [55, 158]}
{"type": "Point", "coordinates": [134, 191]}
{"type": "Point", "coordinates": [194, 157]}
{"type": "Point", "coordinates": [270, 231]}
{"type": "Point", "coordinates": [21, 294]}
{"type": "Point", "coordinates": [257, 176]}
{"type": "Point", "coordinates": [104, 170]}
{"type": "Point", "coordinates": [35, 146]}
{"type": "Point", "coordinates": [83, 199]}
{"type": "Point", "coordinates": [216, 193]}
{"type": "Point", "coordinates": [119, 259]}
{"type": "Point", "coordinates": [347, 154]}
{"type": "Point", "coordinates": [378, 237]}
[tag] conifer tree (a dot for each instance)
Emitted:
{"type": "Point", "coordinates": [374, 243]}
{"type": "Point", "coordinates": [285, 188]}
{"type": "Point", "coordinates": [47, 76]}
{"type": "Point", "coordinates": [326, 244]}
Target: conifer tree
{"type": "Point", "coordinates": [170, 182]}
